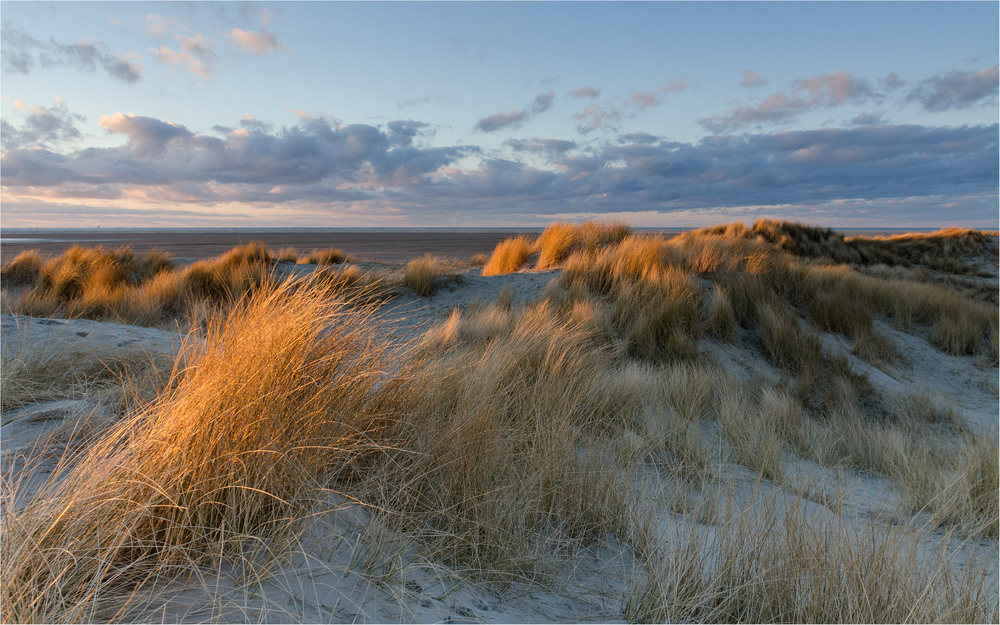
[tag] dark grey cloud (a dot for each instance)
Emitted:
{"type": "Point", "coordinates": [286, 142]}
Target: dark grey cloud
{"type": "Point", "coordinates": [42, 127]}
{"type": "Point", "coordinates": [21, 53]}
{"type": "Point", "coordinates": [316, 158]}
{"type": "Point", "coordinates": [819, 92]}
{"type": "Point", "coordinates": [541, 146]}
{"type": "Point", "coordinates": [888, 165]}
{"type": "Point", "coordinates": [517, 117]}
{"type": "Point", "coordinates": [957, 90]}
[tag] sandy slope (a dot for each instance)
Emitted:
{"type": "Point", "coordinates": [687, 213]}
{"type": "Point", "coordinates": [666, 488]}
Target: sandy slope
{"type": "Point", "coordinates": [345, 567]}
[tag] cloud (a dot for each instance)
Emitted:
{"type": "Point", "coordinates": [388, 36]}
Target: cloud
{"type": "Point", "coordinates": [317, 158]}
{"type": "Point", "coordinates": [321, 162]}
{"type": "Point", "coordinates": [613, 112]}
{"type": "Point", "coordinates": [147, 136]}
{"type": "Point", "coordinates": [752, 79]}
{"type": "Point", "coordinates": [825, 91]}
{"type": "Point", "coordinates": [891, 82]}
{"type": "Point", "coordinates": [402, 132]}
{"type": "Point", "coordinates": [195, 55]}
{"type": "Point", "coordinates": [867, 119]}
{"type": "Point", "coordinates": [957, 90]}
{"type": "Point", "coordinates": [425, 99]}
{"type": "Point", "coordinates": [516, 118]}
{"type": "Point", "coordinates": [256, 42]}
{"type": "Point", "coordinates": [596, 116]}
{"type": "Point", "coordinates": [585, 92]}
{"type": "Point", "coordinates": [43, 127]}
{"type": "Point", "coordinates": [21, 53]}
{"type": "Point", "coordinates": [638, 137]}
{"type": "Point", "coordinates": [157, 25]}
{"type": "Point", "coordinates": [541, 146]}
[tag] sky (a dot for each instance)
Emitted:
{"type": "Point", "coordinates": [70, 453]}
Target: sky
{"type": "Point", "coordinates": [498, 114]}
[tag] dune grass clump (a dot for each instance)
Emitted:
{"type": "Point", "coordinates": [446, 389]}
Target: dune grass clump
{"type": "Point", "coordinates": [325, 257]}
{"type": "Point", "coordinates": [496, 479]}
{"type": "Point", "coordinates": [420, 273]}
{"type": "Point", "coordinates": [94, 283]}
{"type": "Point", "coordinates": [231, 275]}
{"type": "Point", "coordinates": [508, 256]}
{"type": "Point", "coordinates": [287, 255]}
{"type": "Point", "coordinates": [23, 270]}
{"type": "Point", "coordinates": [661, 319]}
{"type": "Point", "coordinates": [558, 240]}
{"type": "Point", "coordinates": [948, 249]}
{"type": "Point", "coordinates": [282, 397]}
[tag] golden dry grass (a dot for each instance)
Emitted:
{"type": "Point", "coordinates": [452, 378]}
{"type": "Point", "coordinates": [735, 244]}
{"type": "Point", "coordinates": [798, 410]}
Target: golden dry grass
{"type": "Point", "coordinates": [420, 273]}
{"type": "Point", "coordinates": [508, 256]}
{"type": "Point", "coordinates": [325, 257]}
{"type": "Point", "coordinates": [274, 405]}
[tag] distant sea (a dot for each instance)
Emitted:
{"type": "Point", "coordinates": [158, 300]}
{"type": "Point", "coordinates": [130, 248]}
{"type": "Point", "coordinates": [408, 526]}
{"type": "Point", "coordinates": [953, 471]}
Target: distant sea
{"type": "Point", "coordinates": [394, 245]}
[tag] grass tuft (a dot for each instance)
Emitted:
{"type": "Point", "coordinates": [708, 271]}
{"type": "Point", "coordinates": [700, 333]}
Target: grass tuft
{"type": "Point", "coordinates": [508, 256]}
{"type": "Point", "coordinates": [420, 273]}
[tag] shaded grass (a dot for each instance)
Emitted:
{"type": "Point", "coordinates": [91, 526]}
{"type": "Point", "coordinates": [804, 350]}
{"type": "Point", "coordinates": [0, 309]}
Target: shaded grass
{"type": "Point", "coordinates": [775, 563]}
{"type": "Point", "coordinates": [34, 372]}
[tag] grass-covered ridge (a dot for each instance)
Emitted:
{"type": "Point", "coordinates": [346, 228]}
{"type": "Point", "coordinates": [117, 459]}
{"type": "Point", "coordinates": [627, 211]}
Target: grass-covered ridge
{"type": "Point", "coordinates": [514, 434]}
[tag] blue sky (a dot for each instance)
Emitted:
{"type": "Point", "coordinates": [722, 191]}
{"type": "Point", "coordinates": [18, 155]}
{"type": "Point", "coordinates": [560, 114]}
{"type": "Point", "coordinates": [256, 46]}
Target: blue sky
{"type": "Point", "coordinates": [498, 114]}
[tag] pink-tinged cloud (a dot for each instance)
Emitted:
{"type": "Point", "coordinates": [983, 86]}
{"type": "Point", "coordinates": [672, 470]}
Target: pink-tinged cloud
{"type": "Point", "coordinates": [609, 115]}
{"type": "Point", "coordinates": [158, 25]}
{"type": "Point", "coordinates": [833, 89]}
{"type": "Point", "coordinates": [825, 91]}
{"type": "Point", "coordinates": [595, 117]}
{"type": "Point", "coordinates": [677, 85]}
{"type": "Point", "coordinates": [644, 99]}
{"type": "Point", "coordinates": [256, 42]}
{"type": "Point", "coordinates": [585, 92]}
{"type": "Point", "coordinates": [180, 60]}
{"type": "Point", "coordinates": [752, 79]}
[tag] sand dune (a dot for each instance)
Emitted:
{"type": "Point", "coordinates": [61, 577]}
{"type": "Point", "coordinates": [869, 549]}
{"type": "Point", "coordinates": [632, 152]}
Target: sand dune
{"type": "Point", "coordinates": [746, 483]}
